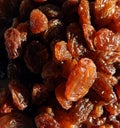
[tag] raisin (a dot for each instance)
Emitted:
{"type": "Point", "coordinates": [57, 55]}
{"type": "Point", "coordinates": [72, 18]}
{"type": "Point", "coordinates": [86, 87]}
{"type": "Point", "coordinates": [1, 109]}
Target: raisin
{"type": "Point", "coordinates": [13, 42]}
{"type": "Point", "coordinates": [60, 95]}
{"type": "Point", "coordinates": [45, 120]}
{"type": "Point", "coordinates": [38, 21]}
{"type": "Point", "coordinates": [61, 51]}
{"type": "Point", "coordinates": [104, 11]}
{"type": "Point", "coordinates": [106, 40]}
{"type": "Point", "coordinates": [104, 88]}
{"type": "Point", "coordinates": [89, 33]}
{"type": "Point", "coordinates": [84, 12]}
{"type": "Point", "coordinates": [80, 79]}
{"type": "Point", "coordinates": [75, 41]}
{"type": "Point", "coordinates": [20, 94]}
{"type": "Point", "coordinates": [80, 111]}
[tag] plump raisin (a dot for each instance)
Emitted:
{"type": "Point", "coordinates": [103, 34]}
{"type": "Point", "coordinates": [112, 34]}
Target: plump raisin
{"type": "Point", "coordinates": [80, 79]}
{"type": "Point", "coordinates": [38, 21]}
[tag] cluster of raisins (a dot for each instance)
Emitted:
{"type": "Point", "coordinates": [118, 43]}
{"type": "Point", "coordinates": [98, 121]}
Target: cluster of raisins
{"type": "Point", "coordinates": [63, 64]}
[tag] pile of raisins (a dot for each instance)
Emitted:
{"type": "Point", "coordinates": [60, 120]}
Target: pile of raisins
{"type": "Point", "coordinates": [63, 63]}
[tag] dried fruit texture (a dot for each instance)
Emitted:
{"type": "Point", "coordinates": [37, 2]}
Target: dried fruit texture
{"type": "Point", "coordinates": [54, 31]}
{"type": "Point", "coordinates": [13, 42]}
{"type": "Point", "coordinates": [104, 88]}
{"type": "Point", "coordinates": [75, 41]}
{"type": "Point", "coordinates": [38, 21]}
{"type": "Point", "coordinates": [115, 25]}
{"type": "Point", "coordinates": [20, 95]}
{"type": "Point", "coordinates": [104, 10]}
{"type": "Point", "coordinates": [51, 11]}
{"type": "Point", "coordinates": [106, 40]}
{"type": "Point", "coordinates": [60, 95]}
{"type": "Point", "coordinates": [89, 33]}
{"type": "Point", "coordinates": [80, 111]}
{"type": "Point", "coordinates": [80, 79]}
{"type": "Point", "coordinates": [61, 51]}
{"type": "Point", "coordinates": [67, 67]}
{"type": "Point", "coordinates": [39, 93]}
{"type": "Point", "coordinates": [113, 109]}
{"type": "Point", "coordinates": [45, 120]}
{"type": "Point", "coordinates": [63, 119]}
{"type": "Point", "coordinates": [36, 55]}
{"type": "Point", "coordinates": [16, 120]}
{"type": "Point", "coordinates": [84, 12]}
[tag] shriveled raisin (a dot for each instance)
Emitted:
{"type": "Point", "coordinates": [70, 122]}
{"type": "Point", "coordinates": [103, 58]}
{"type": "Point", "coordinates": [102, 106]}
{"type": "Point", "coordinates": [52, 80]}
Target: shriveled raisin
{"type": "Point", "coordinates": [80, 111]}
{"type": "Point", "coordinates": [45, 120]}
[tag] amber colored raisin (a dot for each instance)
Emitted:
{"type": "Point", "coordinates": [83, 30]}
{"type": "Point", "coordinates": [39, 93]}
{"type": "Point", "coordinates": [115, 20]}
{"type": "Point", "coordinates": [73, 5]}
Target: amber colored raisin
{"type": "Point", "coordinates": [80, 79]}
{"type": "Point", "coordinates": [61, 51]}
{"type": "Point", "coordinates": [89, 33]}
{"type": "Point", "coordinates": [67, 67]}
{"type": "Point", "coordinates": [75, 40]}
{"type": "Point", "coordinates": [104, 88]}
{"type": "Point", "coordinates": [60, 95]}
{"type": "Point", "coordinates": [106, 40]}
{"type": "Point", "coordinates": [63, 119]}
{"type": "Point", "coordinates": [45, 120]}
{"type": "Point", "coordinates": [84, 12]}
{"type": "Point", "coordinates": [104, 10]}
{"type": "Point", "coordinates": [38, 21]}
{"type": "Point", "coordinates": [13, 42]}
{"type": "Point", "coordinates": [80, 111]}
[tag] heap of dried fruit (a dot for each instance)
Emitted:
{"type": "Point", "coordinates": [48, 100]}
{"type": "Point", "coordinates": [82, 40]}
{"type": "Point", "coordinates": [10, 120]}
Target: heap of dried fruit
{"type": "Point", "coordinates": [63, 65]}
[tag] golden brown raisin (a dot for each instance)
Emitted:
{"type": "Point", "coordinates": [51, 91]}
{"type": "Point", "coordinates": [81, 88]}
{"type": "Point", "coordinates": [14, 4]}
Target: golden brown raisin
{"type": "Point", "coordinates": [61, 51]}
{"type": "Point", "coordinates": [45, 120]}
{"type": "Point", "coordinates": [38, 21]}
{"type": "Point", "coordinates": [84, 12]}
{"type": "Point", "coordinates": [80, 79]}
{"type": "Point", "coordinates": [60, 95]}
